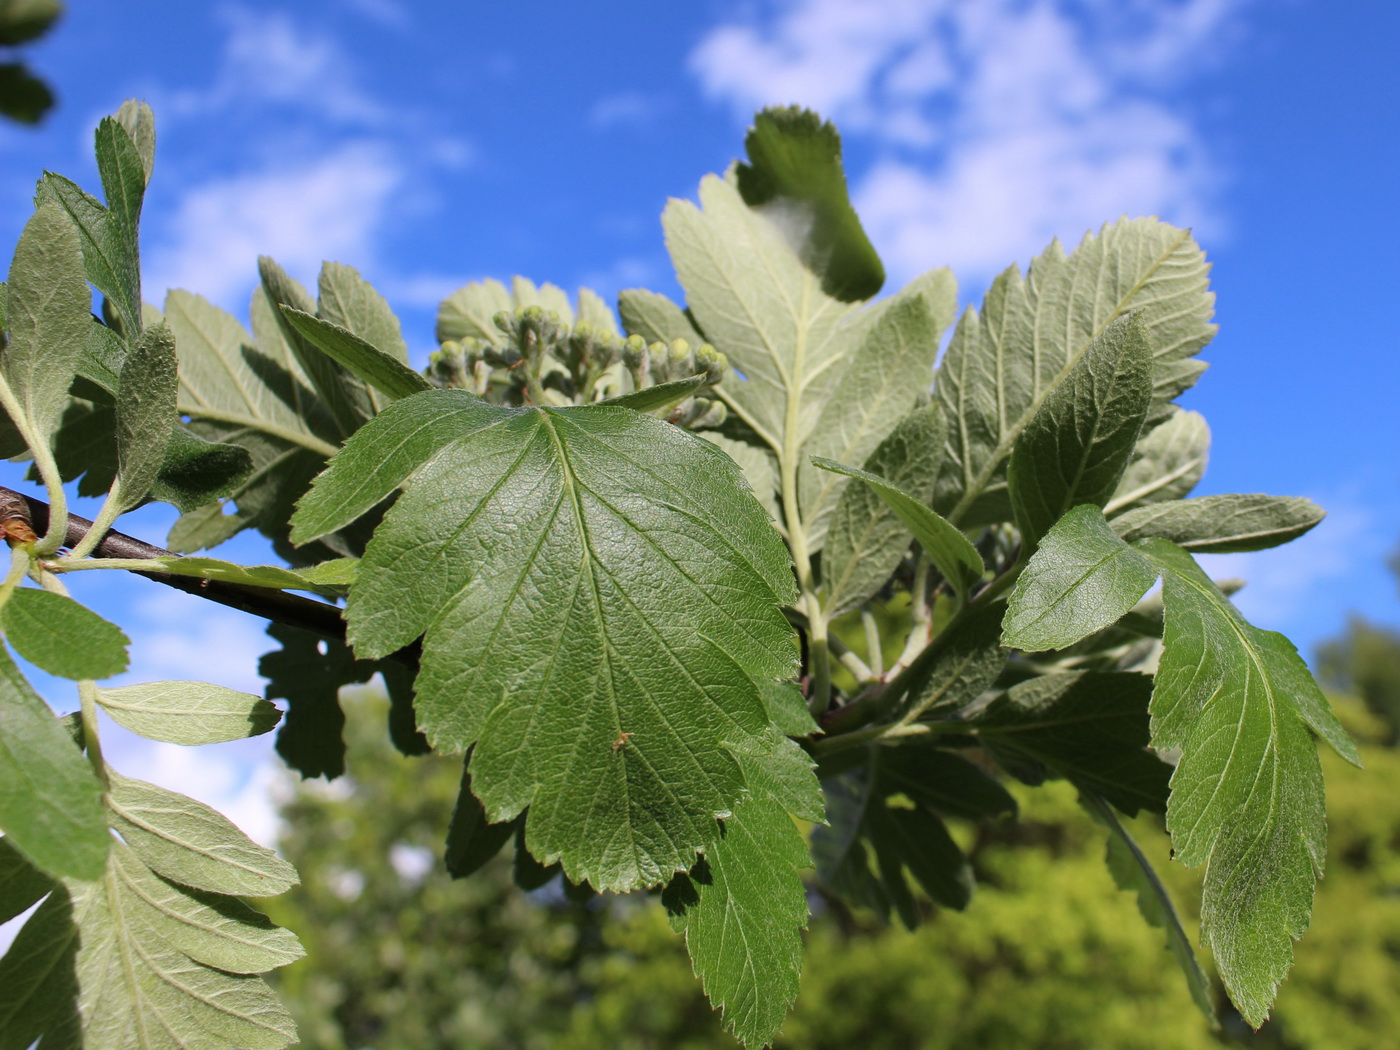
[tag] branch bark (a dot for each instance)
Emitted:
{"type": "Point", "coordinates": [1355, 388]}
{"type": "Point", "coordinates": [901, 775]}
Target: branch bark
{"type": "Point", "coordinates": [268, 603]}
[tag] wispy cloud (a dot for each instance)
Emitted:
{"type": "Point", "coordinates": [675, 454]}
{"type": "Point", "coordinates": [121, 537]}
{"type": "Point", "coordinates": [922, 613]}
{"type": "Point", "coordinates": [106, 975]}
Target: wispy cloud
{"type": "Point", "coordinates": [330, 207]}
{"type": "Point", "coordinates": [997, 124]}
{"type": "Point", "coordinates": [627, 108]}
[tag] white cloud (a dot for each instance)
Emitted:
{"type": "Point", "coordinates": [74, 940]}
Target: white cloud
{"type": "Point", "coordinates": [625, 108]}
{"type": "Point", "coordinates": [270, 58]}
{"type": "Point", "coordinates": [997, 124]}
{"type": "Point", "coordinates": [331, 207]}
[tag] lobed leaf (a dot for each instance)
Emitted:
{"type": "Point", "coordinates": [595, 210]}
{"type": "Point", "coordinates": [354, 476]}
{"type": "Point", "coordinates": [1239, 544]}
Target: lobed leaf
{"type": "Point", "coordinates": [1081, 579]}
{"type": "Point", "coordinates": [50, 802]}
{"type": "Point", "coordinates": [599, 594]}
{"type": "Point", "coordinates": [742, 911]}
{"type": "Point", "coordinates": [1222, 524]}
{"type": "Point", "coordinates": [1247, 797]}
{"type": "Point", "coordinates": [1004, 360]}
{"type": "Point", "coordinates": [188, 712]}
{"type": "Point", "coordinates": [952, 552]}
{"type": "Point", "coordinates": [1075, 448]}
{"type": "Point", "coordinates": [60, 636]}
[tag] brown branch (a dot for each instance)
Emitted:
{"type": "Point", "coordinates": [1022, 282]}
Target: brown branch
{"type": "Point", "coordinates": [266, 602]}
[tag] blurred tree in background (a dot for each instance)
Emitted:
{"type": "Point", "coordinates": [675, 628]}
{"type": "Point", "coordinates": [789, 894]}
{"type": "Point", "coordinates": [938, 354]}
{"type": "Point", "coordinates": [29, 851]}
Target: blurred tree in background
{"type": "Point", "coordinates": [1050, 953]}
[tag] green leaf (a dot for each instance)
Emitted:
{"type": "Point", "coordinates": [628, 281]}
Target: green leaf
{"type": "Point", "coordinates": [650, 398]}
{"type": "Point", "coordinates": [655, 318]}
{"type": "Point", "coordinates": [106, 249]}
{"type": "Point", "coordinates": [38, 986]}
{"type": "Point", "coordinates": [1077, 445]}
{"type": "Point", "coordinates": [23, 96]}
{"type": "Point", "coordinates": [778, 769]}
{"type": "Point", "coordinates": [344, 395]}
{"type": "Point", "coordinates": [1004, 361]}
{"type": "Point", "coordinates": [1168, 463]}
{"type": "Point", "coordinates": [1132, 871]}
{"type": "Point", "coordinates": [211, 929]}
{"type": "Point", "coordinates": [50, 806]}
{"type": "Point", "coordinates": [867, 540]}
{"type": "Point", "coordinates": [624, 553]}
{"type": "Point", "coordinates": [60, 636]}
{"type": "Point", "coordinates": [191, 844]}
{"type": "Point", "coordinates": [195, 471]}
{"type": "Point", "coordinates": [140, 124]}
{"type": "Point", "coordinates": [943, 781]}
{"type": "Point", "coordinates": [960, 667]}
{"type": "Point", "coordinates": [742, 911]}
{"type": "Point", "coordinates": [24, 20]}
{"type": "Point", "coordinates": [49, 306]}
{"type": "Point", "coordinates": [22, 885]}
{"type": "Point", "coordinates": [372, 365]}
{"type": "Point", "coordinates": [142, 991]}
{"type": "Point", "coordinates": [1222, 524]}
{"type": "Point", "coordinates": [1089, 727]}
{"type": "Point", "coordinates": [327, 578]}
{"type": "Point", "coordinates": [188, 712]}
{"type": "Point", "coordinates": [254, 397]}
{"type": "Point", "coordinates": [755, 300]}
{"type": "Point", "coordinates": [954, 555]}
{"type": "Point", "coordinates": [145, 413]}
{"type": "Point", "coordinates": [1081, 579]}
{"type": "Point", "coordinates": [917, 839]}
{"type": "Point", "coordinates": [881, 379]}
{"type": "Point", "coordinates": [794, 176]}
{"type": "Point", "coordinates": [759, 466]}
{"type": "Point", "coordinates": [472, 840]}
{"type": "Point", "coordinates": [346, 299]}
{"type": "Point", "coordinates": [838, 849]}
{"type": "Point", "coordinates": [124, 176]}
{"type": "Point", "coordinates": [1247, 798]}
{"type": "Point", "coordinates": [787, 708]}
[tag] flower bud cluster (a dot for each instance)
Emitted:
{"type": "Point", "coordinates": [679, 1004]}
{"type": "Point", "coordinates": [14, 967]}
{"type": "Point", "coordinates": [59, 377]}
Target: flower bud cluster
{"type": "Point", "coordinates": [576, 365]}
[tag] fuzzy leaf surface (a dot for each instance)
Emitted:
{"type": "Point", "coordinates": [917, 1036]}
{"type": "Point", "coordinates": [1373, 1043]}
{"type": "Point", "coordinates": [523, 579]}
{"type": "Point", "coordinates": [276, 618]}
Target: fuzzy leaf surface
{"type": "Point", "coordinates": [1247, 798]}
{"type": "Point", "coordinates": [1006, 358]}
{"type": "Point", "coordinates": [888, 369]}
{"type": "Point", "coordinates": [145, 413]}
{"type": "Point", "coordinates": [1222, 524]}
{"type": "Point", "coordinates": [49, 309]}
{"type": "Point", "coordinates": [1169, 461]}
{"type": "Point", "coordinates": [1081, 579]}
{"type": "Point", "coordinates": [599, 593]}
{"type": "Point", "coordinates": [50, 802]}
{"type": "Point", "coordinates": [189, 843]}
{"type": "Point", "coordinates": [188, 712]}
{"type": "Point", "coordinates": [251, 396]}
{"type": "Point", "coordinates": [957, 559]}
{"type": "Point", "coordinates": [743, 911]}
{"type": "Point", "coordinates": [64, 638]}
{"type": "Point", "coordinates": [1075, 448]}
{"type": "Point", "coordinates": [866, 539]}
{"type": "Point", "coordinates": [384, 372]}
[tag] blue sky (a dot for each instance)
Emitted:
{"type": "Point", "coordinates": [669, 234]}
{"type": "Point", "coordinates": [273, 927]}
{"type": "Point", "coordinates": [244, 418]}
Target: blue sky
{"type": "Point", "coordinates": [429, 144]}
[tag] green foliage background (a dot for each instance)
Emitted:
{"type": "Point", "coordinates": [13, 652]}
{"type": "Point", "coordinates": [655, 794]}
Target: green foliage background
{"type": "Point", "coordinates": [1049, 954]}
